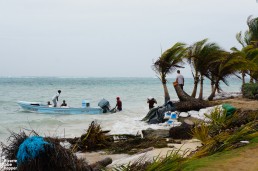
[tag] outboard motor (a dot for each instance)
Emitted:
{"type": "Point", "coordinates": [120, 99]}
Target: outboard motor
{"type": "Point", "coordinates": [104, 104]}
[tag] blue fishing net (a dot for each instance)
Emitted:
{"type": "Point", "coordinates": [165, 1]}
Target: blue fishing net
{"type": "Point", "coordinates": [30, 149]}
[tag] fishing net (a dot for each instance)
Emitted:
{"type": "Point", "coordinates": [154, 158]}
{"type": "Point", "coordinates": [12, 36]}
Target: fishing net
{"type": "Point", "coordinates": [31, 148]}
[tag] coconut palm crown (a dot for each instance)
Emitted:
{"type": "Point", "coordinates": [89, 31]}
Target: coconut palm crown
{"type": "Point", "coordinates": [201, 56]}
{"type": "Point", "coordinates": [167, 63]}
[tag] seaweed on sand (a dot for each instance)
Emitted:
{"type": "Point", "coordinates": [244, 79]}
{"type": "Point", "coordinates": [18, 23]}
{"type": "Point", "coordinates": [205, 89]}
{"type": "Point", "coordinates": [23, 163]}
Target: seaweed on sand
{"type": "Point", "coordinates": [93, 139]}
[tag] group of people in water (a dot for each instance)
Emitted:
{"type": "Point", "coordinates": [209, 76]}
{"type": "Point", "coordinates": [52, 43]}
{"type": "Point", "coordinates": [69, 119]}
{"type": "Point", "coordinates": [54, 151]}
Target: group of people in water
{"type": "Point", "coordinates": [150, 100]}
{"type": "Point", "coordinates": [64, 104]}
{"type": "Point", "coordinates": [118, 106]}
{"type": "Point", "coordinates": [55, 100]}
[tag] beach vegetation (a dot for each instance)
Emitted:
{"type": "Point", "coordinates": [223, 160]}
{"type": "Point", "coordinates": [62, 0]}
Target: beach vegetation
{"type": "Point", "coordinates": [225, 132]}
{"type": "Point", "coordinates": [217, 160]}
{"type": "Point", "coordinates": [250, 90]}
{"type": "Point", "coordinates": [201, 132]}
{"type": "Point", "coordinates": [218, 119]}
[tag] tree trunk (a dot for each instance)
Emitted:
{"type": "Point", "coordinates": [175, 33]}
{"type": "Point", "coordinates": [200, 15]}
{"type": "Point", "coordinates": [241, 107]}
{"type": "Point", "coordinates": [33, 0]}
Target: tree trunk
{"type": "Point", "coordinates": [212, 86]}
{"type": "Point", "coordinates": [243, 77]}
{"type": "Point", "coordinates": [212, 95]}
{"type": "Point", "coordinates": [166, 93]}
{"type": "Point", "coordinates": [165, 88]}
{"type": "Point", "coordinates": [183, 96]}
{"type": "Point", "coordinates": [196, 81]}
{"type": "Point", "coordinates": [201, 89]}
{"type": "Point", "coordinates": [218, 89]}
{"type": "Point", "coordinates": [251, 79]}
{"type": "Point", "coordinates": [187, 102]}
{"type": "Point", "coordinates": [191, 105]}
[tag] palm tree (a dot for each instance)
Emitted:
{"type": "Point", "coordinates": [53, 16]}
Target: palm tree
{"type": "Point", "coordinates": [253, 30]}
{"type": "Point", "coordinates": [250, 54]}
{"type": "Point", "coordinates": [167, 63]}
{"type": "Point", "coordinates": [200, 56]}
{"type": "Point", "coordinates": [251, 35]}
{"type": "Point", "coordinates": [192, 53]}
{"type": "Point", "coordinates": [244, 40]}
{"type": "Point", "coordinates": [250, 38]}
{"type": "Point", "coordinates": [227, 65]}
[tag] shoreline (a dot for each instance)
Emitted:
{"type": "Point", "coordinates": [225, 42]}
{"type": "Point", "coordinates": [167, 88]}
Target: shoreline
{"type": "Point", "coordinates": [147, 154]}
{"type": "Point", "coordinates": [119, 159]}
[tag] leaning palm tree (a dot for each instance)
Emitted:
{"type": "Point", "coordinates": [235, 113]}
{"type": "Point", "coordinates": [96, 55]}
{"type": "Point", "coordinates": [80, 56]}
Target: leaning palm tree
{"type": "Point", "coordinates": [200, 56]}
{"type": "Point", "coordinates": [167, 63]}
{"type": "Point", "coordinates": [250, 38]}
{"type": "Point", "coordinates": [253, 30]}
{"type": "Point", "coordinates": [252, 57]}
{"type": "Point", "coordinates": [227, 65]}
{"type": "Point", "coordinates": [209, 54]}
{"type": "Point", "coordinates": [255, 73]}
{"type": "Point", "coordinates": [192, 53]}
{"type": "Point", "coordinates": [249, 53]}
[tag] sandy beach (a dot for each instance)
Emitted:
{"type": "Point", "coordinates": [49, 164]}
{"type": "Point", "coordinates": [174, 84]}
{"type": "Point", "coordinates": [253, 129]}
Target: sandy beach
{"type": "Point", "coordinates": [148, 154]}
{"type": "Point", "coordinates": [240, 102]}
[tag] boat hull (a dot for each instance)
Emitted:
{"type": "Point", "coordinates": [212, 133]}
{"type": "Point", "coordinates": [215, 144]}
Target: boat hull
{"type": "Point", "coordinates": [41, 108]}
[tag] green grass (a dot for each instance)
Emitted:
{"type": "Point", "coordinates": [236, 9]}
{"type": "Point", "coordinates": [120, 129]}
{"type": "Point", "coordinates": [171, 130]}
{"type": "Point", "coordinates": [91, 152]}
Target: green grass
{"type": "Point", "coordinates": [254, 141]}
{"type": "Point", "coordinates": [194, 164]}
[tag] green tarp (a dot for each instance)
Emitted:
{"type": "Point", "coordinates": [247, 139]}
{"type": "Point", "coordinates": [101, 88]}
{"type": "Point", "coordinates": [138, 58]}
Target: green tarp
{"type": "Point", "coordinates": [230, 109]}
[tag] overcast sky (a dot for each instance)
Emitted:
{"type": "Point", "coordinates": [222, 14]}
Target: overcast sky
{"type": "Point", "coordinates": [110, 38]}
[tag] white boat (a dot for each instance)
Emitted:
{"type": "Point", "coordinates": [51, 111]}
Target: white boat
{"type": "Point", "coordinates": [39, 107]}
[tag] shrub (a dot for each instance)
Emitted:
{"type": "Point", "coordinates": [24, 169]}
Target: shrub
{"type": "Point", "coordinates": [250, 90]}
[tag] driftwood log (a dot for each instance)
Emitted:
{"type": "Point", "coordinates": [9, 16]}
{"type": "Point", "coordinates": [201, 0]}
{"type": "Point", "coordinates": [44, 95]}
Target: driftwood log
{"type": "Point", "coordinates": [187, 102]}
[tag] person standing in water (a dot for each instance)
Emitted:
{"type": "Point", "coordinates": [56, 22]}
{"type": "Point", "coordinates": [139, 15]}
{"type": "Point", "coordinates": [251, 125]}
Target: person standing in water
{"type": "Point", "coordinates": [55, 98]}
{"type": "Point", "coordinates": [118, 104]}
{"type": "Point", "coordinates": [151, 102]}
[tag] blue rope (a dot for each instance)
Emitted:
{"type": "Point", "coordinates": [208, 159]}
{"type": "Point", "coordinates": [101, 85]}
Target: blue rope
{"type": "Point", "coordinates": [30, 149]}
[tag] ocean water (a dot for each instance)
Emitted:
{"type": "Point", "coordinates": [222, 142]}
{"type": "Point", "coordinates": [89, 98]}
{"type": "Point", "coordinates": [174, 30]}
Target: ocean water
{"type": "Point", "coordinates": [132, 91]}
